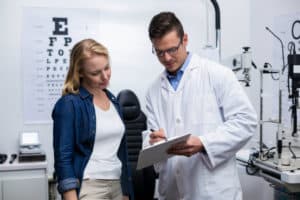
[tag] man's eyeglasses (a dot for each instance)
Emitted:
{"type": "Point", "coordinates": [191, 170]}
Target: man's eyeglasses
{"type": "Point", "coordinates": [171, 51]}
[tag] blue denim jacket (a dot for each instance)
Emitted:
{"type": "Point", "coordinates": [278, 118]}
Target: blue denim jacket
{"type": "Point", "coordinates": [74, 131]}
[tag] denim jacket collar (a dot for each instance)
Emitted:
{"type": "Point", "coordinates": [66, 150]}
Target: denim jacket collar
{"type": "Point", "coordinates": [84, 93]}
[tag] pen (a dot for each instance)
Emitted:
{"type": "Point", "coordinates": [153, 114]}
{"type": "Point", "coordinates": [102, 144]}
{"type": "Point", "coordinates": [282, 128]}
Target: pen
{"type": "Point", "coordinates": [163, 137]}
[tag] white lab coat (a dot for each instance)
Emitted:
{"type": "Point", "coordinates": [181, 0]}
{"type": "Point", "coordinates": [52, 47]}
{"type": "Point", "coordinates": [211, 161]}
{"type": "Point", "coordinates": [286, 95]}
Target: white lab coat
{"type": "Point", "coordinates": [211, 104]}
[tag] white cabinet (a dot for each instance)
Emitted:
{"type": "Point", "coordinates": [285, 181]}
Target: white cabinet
{"type": "Point", "coordinates": [28, 181]}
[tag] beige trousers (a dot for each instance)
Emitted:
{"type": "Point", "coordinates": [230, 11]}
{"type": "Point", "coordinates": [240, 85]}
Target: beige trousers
{"type": "Point", "coordinates": [100, 190]}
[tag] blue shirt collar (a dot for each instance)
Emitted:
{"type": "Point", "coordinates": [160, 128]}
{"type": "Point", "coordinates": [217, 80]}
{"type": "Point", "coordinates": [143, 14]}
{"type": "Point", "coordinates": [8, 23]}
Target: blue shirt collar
{"type": "Point", "coordinates": [182, 68]}
{"type": "Point", "coordinates": [174, 80]}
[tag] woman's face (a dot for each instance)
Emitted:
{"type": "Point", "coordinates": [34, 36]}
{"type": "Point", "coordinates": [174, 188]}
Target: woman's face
{"type": "Point", "coordinates": [95, 73]}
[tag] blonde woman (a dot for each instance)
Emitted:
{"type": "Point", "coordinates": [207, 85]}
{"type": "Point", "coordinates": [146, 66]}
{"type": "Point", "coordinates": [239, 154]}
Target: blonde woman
{"type": "Point", "coordinates": [89, 142]}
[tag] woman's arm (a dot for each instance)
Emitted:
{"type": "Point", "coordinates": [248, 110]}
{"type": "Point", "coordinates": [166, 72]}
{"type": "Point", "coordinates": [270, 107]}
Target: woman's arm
{"type": "Point", "coordinates": [63, 142]}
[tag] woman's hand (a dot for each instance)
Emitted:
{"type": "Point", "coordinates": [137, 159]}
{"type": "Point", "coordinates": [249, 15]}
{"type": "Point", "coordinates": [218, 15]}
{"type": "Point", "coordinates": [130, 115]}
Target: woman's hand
{"type": "Point", "coordinates": [70, 195]}
{"type": "Point", "coordinates": [125, 198]}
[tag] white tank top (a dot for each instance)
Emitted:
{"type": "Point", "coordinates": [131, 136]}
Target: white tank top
{"type": "Point", "coordinates": [104, 162]}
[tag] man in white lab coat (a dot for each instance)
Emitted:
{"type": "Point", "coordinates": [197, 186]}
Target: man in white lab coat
{"type": "Point", "coordinates": [201, 97]}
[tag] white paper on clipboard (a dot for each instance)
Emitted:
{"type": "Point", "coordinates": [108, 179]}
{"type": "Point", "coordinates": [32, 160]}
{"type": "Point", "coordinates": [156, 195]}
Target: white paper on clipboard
{"type": "Point", "coordinates": [158, 152]}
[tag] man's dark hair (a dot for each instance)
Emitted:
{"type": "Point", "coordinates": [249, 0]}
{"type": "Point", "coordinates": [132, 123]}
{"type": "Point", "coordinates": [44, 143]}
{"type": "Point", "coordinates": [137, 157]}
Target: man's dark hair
{"type": "Point", "coordinates": [163, 23]}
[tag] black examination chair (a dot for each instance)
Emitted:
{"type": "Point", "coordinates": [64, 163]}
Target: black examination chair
{"type": "Point", "coordinates": [135, 123]}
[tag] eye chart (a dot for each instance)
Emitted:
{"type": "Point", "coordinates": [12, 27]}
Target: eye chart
{"type": "Point", "coordinates": [48, 35]}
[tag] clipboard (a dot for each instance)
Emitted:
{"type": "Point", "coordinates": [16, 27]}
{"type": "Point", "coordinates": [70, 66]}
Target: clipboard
{"type": "Point", "coordinates": [158, 152]}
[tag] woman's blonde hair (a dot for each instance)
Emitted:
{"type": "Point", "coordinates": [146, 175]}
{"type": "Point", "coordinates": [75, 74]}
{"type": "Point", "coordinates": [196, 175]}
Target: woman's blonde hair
{"type": "Point", "coordinates": [81, 51]}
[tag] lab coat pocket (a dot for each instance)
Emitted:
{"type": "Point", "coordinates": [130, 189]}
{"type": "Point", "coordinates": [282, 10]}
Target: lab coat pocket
{"type": "Point", "coordinates": [204, 109]}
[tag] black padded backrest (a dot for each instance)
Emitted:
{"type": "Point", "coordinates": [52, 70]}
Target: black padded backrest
{"type": "Point", "coordinates": [135, 122]}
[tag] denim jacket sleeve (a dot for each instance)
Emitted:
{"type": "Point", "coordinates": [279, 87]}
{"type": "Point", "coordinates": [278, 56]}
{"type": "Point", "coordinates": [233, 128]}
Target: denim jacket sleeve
{"type": "Point", "coordinates": [63, 141]}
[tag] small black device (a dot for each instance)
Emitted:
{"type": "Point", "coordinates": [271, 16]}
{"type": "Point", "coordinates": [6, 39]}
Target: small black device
{"type": "Point", "coordinates": [294, 76]}
{"type": "Point", "coordinates": [32, 157]}
{"type": "Point", "coordinates": [12, 158]}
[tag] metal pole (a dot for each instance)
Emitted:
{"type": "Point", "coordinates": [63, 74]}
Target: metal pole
{"type": "Point", "coordinates": [261, 113]}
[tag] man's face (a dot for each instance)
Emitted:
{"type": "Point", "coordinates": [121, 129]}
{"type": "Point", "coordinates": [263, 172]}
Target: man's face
{"type": "Point", "coordinates": [171, 50]}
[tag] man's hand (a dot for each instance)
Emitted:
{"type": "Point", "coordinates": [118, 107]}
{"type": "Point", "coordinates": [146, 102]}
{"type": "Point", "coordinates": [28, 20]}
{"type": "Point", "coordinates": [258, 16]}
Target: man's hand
{"type": "Point", "coordinates": [188, 148]}
{"type": "Point", "coordinates": [157, 136]}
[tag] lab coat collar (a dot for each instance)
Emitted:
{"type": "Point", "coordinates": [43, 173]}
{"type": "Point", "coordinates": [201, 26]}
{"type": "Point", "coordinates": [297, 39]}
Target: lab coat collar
{"type": "Point", "coordinates": [165, 82]}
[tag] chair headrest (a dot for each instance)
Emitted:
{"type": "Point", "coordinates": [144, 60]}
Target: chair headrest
{"type": "Point", "coordinates": [130, 104]}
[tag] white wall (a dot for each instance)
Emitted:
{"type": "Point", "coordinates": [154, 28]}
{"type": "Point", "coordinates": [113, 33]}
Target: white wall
{"type": "Point", "coordinates": [242, 24]}
{"type": "Point", "coordinates": [136, 14]}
